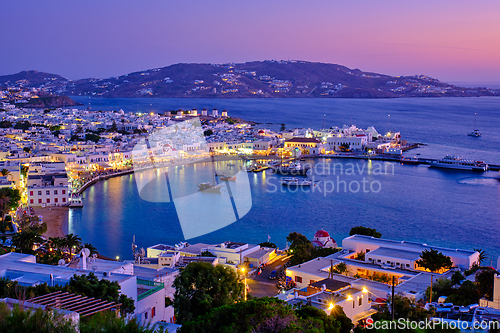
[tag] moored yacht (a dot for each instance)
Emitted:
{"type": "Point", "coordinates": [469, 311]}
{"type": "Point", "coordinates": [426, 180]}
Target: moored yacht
{"type": "Point", "coordinates": [292, 181]}
{"type": "Point", "coordinates": [458, 163]}
{"type": "Point", "coordinates": [294, 169]}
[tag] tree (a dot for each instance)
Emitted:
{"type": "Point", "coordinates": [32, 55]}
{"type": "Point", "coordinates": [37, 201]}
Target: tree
{"type": "Point", "coordinates": [207, 254]}
{"type": "Point", "coordinates": [482, 256]}
{"type": "Point", "coordinates": [485, 279]}
{"type": "Point", "coordinates": [268, 315]}
{"type": "Point", "coordinates": [22, 125]}
{"type": "Point", "coordinates": [72, 241]}
{"type": "Point", "coordinates": [433, 261]}
{"type": "Point", "coordinates": [9, 199]}
{"type": "Point", "coordinates": [27, 150]}
{"type": "Point", "coordinates": [365, 231]}
{"type": "Point", "coordinates": [4, 202]}
{"type": "Point", "coordinates": [268, 244]}
{"type": "Point", "coordinates": [341, 268]}
{"type": "Point", "coordinates": [19, 319]}
{"type": "Point", "coordinates": [208, 132]}
{"type": "Point", "coordinates": [403, 308]}
{"type": "Point", "coordinates": [466, 294]}
{"type": "Point", "coordinates": [300, 248]}
{"type": "Point", "coordinates": [91, 248]}
{"type": "Point", "coordinates": [113, 127]}
{"type": "Point", "coordinates": [5, 124]}
{"type": "Point", "coordinates": [26, 240]}
{"type": "Point", "coordinates": [457, 277]}
{"type": "Point", "coordinates": [282, 127]}
{"type": "Point", "coordinates": [109, 322]}
{"type": "Point", "coordinates": [90, 286]}
{"type": "Point", "coordinates": [201, 287]}
{"type": "Point", "coordinates": [92, 137]}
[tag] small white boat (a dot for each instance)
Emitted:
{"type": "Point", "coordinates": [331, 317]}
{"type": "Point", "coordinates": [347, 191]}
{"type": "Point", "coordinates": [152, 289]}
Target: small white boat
{"type": "Point", "coordinates": [209, 187]}
{"type": "Point", "coordinates": [75, 201]}
{"type": "Point", "coordinates": [294, 169]}
{"type": "Point", "coordinates": [475, 132]}
{"type": "Point", "coordinates": [292, 181]}
{"type": "Point", "coordinates": [225, 177]}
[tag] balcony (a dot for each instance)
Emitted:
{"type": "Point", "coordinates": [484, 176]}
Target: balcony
{"type": "Point", "coordinates": [146, 288]}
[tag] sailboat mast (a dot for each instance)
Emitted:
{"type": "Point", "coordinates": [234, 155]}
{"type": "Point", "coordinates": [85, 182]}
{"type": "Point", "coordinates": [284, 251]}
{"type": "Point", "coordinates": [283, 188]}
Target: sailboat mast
{"type": "Point", "coordinates": [475, 121]}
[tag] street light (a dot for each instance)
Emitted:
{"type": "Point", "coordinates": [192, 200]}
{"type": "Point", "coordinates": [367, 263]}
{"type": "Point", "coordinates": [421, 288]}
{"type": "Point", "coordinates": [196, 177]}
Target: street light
{"type": "Point", "coordinates": [245, 277]}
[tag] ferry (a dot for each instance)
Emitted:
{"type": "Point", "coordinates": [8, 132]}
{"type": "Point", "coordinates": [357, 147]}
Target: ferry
{"type": "Point", "coordinates": [294, 169]}
{"type": "Point", "coordinates": [458, 163]}
{"type": "Point", "coordinates": [292, 181]}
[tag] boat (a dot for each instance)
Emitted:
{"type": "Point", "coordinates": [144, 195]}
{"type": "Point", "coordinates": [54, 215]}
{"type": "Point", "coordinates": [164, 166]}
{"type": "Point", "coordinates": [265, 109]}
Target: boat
{"type": "Point", "coordinates": [225, 177]}
{"type": "Point", "coordinates": [458, 163]}
{"type": "Point", "coordinates": [209, 187]}
{"type": "Point", "coordinates": [75, 201]}
{"type": "Point", "coordinates": [475, 132]}
{"type": "Point", "coordinates": [213, 186]}
{"type": "Point", "coordinates": [292, 181]}
{"type": "Point", "coordinates": [294, 169]}
{"type": "Point", "coordinates": [410, 160]}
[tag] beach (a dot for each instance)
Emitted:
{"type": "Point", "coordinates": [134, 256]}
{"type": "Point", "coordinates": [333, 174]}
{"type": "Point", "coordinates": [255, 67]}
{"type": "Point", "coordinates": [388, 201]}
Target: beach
{"type": "Point", "coordinates": [56, 219]}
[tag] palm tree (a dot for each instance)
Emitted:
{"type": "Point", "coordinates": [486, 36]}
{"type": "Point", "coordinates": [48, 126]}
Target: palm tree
{"type": "Point", "coordinates": [71, 241]}
{"type": "Point", "coordinates": [91, 248]}
{"type": "Point", "coordinates": [56, 243]}
{"type": "Point", "coordinates": [5, 172]}
{"type": "Point", "coordinates": [482, 256]}
{"type": "Point", "coordinates": [434, 261]}
{"type": "Point", "coordinates": [341, 268]}
{"type": "Point", "coordinates": [25, 240]}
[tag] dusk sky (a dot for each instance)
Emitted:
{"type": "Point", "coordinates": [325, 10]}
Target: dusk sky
{"type": "Point", "coordinates": [450, 40]}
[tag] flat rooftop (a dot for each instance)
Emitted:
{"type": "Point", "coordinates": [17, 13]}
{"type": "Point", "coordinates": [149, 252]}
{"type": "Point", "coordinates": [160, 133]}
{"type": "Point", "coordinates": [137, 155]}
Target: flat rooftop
{"type": "Point", "coordinates": [411, 246]}
{"type": "Point", "coordinates": [395, 253]}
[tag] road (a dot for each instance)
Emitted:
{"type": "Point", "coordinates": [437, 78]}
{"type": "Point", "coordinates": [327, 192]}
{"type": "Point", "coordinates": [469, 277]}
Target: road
{"type": "Point", "coordinates": [261, 285]}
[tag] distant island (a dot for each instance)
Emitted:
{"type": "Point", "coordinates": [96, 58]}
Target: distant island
{"type": "Point", "coordinates": [257, 79]}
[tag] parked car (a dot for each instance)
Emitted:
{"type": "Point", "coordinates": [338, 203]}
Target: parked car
{"type": "Point", "coordinates": [272, 276]}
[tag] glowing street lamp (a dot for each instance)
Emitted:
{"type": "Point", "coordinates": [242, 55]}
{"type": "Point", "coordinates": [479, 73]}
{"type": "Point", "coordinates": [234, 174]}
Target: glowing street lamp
{"type": "Point", "coordinates": [245, 277]}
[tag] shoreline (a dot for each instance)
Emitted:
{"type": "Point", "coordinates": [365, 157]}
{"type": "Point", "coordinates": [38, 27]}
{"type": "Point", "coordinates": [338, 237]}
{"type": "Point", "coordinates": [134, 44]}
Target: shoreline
{"type": "Point", "coordinates": [56, 219]}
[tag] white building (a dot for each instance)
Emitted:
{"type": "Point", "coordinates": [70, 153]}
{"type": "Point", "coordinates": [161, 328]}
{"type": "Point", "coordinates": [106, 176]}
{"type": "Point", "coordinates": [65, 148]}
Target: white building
{"type": "Point", "coordinates": [403, 253]}
{"type": "Point", "coordinates": [48, 189]}
{"type": "Point", "coordinates": [328, 293]}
